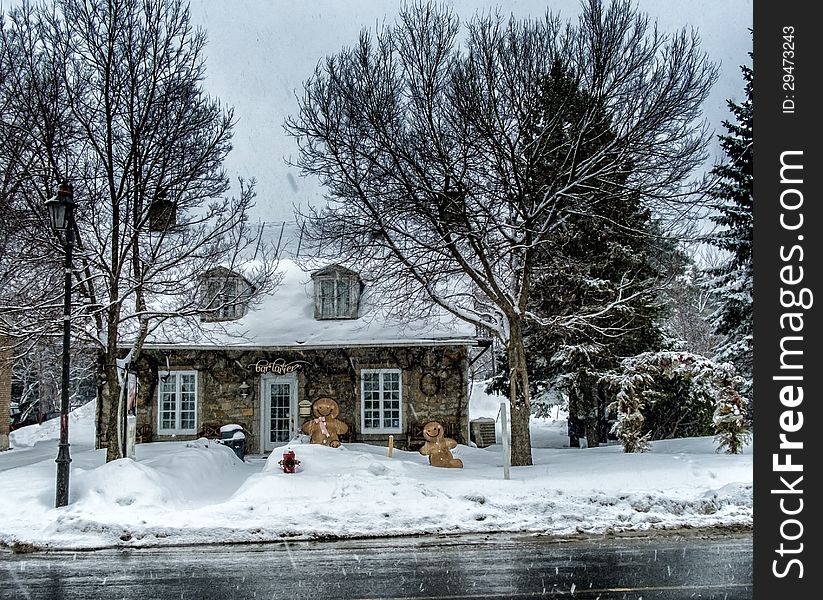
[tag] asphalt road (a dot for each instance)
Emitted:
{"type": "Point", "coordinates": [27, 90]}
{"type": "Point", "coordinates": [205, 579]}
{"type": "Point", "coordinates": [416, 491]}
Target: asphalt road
{"type": "Point", "coordinates": [44, 450]}
{"type": "Point", "coordinates": [669, 566]}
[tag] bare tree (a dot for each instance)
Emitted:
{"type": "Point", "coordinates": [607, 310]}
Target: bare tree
{"type": "Point", "coordinates": [429, 144]}
{"type": "Point", "coordinates": [691, 305]}
{"type": "Point", "coordinates": [112, 100]}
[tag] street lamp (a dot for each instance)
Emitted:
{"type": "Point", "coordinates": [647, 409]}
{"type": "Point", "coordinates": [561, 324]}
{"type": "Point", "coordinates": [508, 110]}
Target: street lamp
{"type": "Point", "coordinates": [61, 212]}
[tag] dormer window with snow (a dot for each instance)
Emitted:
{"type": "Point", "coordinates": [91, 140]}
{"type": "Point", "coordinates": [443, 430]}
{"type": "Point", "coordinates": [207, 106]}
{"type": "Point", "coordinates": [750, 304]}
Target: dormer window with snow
{"type": "Point", "coordinates": [336, 293]}
{"type": "Point", "coordinates": [225, 294]}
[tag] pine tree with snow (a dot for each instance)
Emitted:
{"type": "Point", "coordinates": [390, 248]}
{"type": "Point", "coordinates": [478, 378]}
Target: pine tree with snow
{"type": "Point", "coordinates": [637, 386]}
{"type": "Point", "coordinates": [594, 283]}
{"type": "Point", "coordinates": [733, 201]}
{"type": "Point", "coordinates": [731, 425]}
{"type": "Point", "coordinates": [599, 281]}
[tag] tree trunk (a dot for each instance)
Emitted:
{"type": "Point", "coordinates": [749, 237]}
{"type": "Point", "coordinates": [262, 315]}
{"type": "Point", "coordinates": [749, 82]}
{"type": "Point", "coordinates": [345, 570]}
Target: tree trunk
{"type": "Point", "coordinates": [112, 412]}
{"type": "Point", "coordinates": [519, 397]}
{"type": "Point", "coordinates": [574, 426]}
{"type": "Point", "coordinates": [114, 449]}
{"type": "Point", "coordinates": [102, 400]}
{"type": "Point", "coordinates": [592, 418]}
{"type": "Point", "coordinates": [47, 388]}
{"type": "Point", "coordinates": [603, 413]}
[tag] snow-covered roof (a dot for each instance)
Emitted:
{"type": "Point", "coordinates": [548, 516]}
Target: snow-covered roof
{"type": "Point", "coordinates": [334, 270]}
{"type": "Point", "coordinates": [285, 319]}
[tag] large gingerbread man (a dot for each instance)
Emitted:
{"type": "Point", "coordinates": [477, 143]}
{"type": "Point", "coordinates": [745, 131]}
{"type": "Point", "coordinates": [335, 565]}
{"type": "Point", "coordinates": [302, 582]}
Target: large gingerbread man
{"type": "Point", "coordinates": [325, 427]}
{"type": "Point", "coordinates": [438, 447]}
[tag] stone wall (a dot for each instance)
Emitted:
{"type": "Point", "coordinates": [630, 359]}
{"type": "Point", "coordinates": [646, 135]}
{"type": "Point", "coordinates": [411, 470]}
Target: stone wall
{"type": "Point", "coordinates": [434, 386]}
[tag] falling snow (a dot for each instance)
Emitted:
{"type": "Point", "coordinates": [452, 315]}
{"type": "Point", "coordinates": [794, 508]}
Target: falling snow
{"type": "Point", "coordinates": [199, 492]}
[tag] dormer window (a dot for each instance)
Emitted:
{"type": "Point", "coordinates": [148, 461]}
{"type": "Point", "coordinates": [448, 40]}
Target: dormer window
{"type": "Point", "coordinates": [336, 293]}
{"type": "Point", "coordinates": [225, 294]}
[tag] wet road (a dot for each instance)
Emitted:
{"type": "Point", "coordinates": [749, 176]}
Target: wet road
{"type": "Point", "coordinates": [40, 452]}
{"type": "Point", "coordinates": [664, 566]}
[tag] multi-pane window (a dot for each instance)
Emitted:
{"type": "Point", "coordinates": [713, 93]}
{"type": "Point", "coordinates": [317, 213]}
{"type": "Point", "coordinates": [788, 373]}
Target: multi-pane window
{"type": "Point", "coordinates": [280, 412]}
{"type": "Point", "coordinates": [381, 401]}
{"type": "Point", "coordinates": [334, 297]}
{"type": "Point", "coordinates": [226, 296]}
{"type": "Point", "coordinates": [336, 293]}
{"type": "Point", "coordinates": [177, 403]}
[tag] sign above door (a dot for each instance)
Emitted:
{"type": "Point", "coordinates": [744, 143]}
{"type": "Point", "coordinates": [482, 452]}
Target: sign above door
{"type": "Point", "coordinates": [277, 366]}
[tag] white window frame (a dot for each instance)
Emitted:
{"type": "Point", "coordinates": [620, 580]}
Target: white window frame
{"type": "Point", "coordinates": [228, 294]}
{"type": "Point", "coordinates": [381, 429]}
{"type": "Point", "coordinates": [265, 408]}
{"type": "Point", "coordinates": [340, 309]}
{"type": "Point", "coordinates": [177, 430]}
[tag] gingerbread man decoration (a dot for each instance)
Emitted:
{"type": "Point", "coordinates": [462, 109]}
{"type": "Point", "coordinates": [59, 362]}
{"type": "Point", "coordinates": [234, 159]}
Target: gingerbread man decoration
{"type": "Point", "coordinates": [325, 427]}
{"type": "Point", "coordinates": [438, 448]}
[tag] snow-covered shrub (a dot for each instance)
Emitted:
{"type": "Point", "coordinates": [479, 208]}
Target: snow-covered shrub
{"type": "Point", "coordinates": [628, 404]}
{"type": "Point", "coordinates": [702, 383]}
{"type": "Point", "coordinates": [731, 423]}
{"type": "Point", "coordinates": [629, 428]}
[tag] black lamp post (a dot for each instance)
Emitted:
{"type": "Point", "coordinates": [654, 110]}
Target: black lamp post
{"type": "Point", "coordinates": [61, 211]}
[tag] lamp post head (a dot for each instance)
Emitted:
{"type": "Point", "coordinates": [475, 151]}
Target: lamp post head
{"type": "Point", "coordinates": [61, 207]}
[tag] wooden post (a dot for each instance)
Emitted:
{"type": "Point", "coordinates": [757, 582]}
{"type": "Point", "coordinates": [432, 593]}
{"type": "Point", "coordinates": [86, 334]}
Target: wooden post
{"type": "Point", "coordinates": [391, 446]}
{"type": "Point", "coordinates": [507, 449]}
{"type": "Point", "coordinates": [131, 436]}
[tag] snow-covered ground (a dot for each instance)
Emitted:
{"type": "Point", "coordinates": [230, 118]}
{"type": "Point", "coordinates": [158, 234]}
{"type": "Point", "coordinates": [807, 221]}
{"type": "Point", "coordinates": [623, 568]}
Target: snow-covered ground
{"type": "Point", "coordinates": [199, 492]}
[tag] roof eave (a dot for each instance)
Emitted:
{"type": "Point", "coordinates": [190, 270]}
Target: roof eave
{"type": "Point", "coordinates": [319, 346]}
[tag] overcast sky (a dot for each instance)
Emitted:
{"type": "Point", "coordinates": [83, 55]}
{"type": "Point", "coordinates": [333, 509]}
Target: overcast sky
{"type": "Point", "coordinates": [260, 52]}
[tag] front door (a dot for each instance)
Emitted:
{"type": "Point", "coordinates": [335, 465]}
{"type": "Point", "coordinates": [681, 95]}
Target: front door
{"type": "Point", "coordinates": [279, 397]}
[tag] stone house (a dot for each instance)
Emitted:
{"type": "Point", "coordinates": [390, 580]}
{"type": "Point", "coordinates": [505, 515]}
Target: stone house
{"type": "Point", "coordinates": [261, 366]}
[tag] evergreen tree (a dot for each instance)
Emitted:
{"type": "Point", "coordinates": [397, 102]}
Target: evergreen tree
{"type": "Point", "coordinates": [595, 279]}
{"type": "Point", "coordinates": [677, 394]}
{"type": "Point", "coordinates": [616, 258]}
{"type": "Point", "coordinates": [733, 280]}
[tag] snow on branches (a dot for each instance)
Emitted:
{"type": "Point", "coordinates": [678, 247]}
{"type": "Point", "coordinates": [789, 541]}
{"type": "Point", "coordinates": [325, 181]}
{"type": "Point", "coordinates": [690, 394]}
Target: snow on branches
{"type": "Point", "coordinates": [703, 380]}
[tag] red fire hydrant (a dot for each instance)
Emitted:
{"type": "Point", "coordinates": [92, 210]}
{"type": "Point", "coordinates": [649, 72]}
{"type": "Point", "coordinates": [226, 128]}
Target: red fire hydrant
{"type": "Point", "coordinates": [289, 462]}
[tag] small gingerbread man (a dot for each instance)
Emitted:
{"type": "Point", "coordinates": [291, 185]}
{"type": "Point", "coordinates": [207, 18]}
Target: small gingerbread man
{"type": "Point", "coordinates": [438, 448]}
{"type": "Point", "coordinates": [325, 427]}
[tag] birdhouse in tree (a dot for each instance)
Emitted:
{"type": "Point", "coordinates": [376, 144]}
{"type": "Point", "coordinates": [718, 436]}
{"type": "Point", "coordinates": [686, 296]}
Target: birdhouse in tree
{"type": "Point", "coordinates": [452, 204]}
{"type": "Point", "coordinates": [162, 213]}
